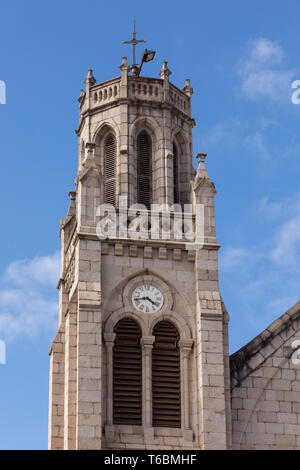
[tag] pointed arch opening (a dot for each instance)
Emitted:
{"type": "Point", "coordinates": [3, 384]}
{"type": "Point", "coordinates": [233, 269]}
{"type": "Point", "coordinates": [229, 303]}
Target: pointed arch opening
{"type": "Point", "coordinates": [127, 373]}
{"type": "Point", "coordinates": [166, 396]}
{"type": "Point", "coordinates": [144, 169]}
{"type": "Point", "coordinates": [110, 170]}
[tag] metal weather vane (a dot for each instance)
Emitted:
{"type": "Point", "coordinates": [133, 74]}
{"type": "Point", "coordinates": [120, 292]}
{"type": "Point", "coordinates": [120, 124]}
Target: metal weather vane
{"type": "Point", "coordinates": [134, 41]}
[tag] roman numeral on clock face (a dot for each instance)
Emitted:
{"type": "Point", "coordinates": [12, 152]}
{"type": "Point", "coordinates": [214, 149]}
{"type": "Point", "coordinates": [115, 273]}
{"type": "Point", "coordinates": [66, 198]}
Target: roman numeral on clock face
{"type": "Point", "coordinates": [147, 298]}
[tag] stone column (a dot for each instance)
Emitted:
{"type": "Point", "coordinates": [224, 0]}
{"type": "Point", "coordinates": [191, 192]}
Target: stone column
{"type": "Point", "coordinates": [188, 90]}
{"type": "Point", "coordinates": [89, 83]}
{"type": "Point", "coordinates": [165, 190]}
{"type": "Point", "coordinates": [109, 339]}
{"type": "Point", "coordinates": [147, 346]}
{"type": "Point", "coordinates": [123, 167]}
{"type": "Point", "coordinates": [185, 350]}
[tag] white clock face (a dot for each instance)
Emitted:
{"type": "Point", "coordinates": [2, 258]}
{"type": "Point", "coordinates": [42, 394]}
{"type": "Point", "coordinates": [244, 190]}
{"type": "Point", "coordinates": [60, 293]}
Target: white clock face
{"type": "Point", "coordinates": [147, 298]}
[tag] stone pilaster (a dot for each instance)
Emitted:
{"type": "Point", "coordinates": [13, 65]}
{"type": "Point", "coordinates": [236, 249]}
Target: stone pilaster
{"type": "Point", "coordinates": [56, 393]}
{"type": "Point", "coordinates": [70, 395]}
{"type": "Point", "coordinates": [89, 346]}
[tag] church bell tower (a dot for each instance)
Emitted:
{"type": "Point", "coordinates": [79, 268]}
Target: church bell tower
{"type": "Point", "coordinates": [140, 359]}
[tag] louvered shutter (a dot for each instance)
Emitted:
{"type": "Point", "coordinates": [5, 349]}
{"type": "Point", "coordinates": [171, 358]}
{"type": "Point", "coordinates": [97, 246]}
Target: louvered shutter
{"type": "Point", "coordinates": [175, 175]}
{"type": "Point", "coordinates": [110, 171]}
{"type": "Point", "coordinates": [127, 373]}
{"type": "Point", "coordinates": [144, 179]}
{"type": "Point", "coordinates": [166, 376]}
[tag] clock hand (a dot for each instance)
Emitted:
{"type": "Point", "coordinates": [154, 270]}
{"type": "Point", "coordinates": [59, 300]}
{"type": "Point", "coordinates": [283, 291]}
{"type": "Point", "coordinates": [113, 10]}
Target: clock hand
{"type": "Point", "coordinates": [154, 303]}
{"type": "Point", "coordinates": [149, 300]}
{"type": "Point", "coordinates": [146, 298]}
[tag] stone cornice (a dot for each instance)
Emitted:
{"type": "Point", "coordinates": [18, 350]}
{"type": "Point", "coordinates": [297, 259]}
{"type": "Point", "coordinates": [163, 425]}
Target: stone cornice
{"type": "Point", "coordinates": [129, 100]}
{"type": "Point", "coordinates": [141, 243]}
{"type": "Point", "coordinates": [253, 354]}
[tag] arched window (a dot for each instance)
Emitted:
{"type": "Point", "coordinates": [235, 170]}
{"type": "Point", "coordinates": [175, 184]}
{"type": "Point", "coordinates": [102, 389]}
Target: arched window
{"type": "Point", "coordinates": [110, 170]}
{"type": "Point", "coordinates": [166, 376]}
{"type": "Point", "coordinates": [144, 180]}
{"type": "Point", "coordinates": [127, 373]}
{"type": "Point", "coordinates": [175, 175]}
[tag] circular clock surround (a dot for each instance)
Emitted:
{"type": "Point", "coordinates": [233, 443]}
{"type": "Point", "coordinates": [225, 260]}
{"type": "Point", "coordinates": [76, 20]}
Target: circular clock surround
{"type": "Point", "coordinates": [147, 298]}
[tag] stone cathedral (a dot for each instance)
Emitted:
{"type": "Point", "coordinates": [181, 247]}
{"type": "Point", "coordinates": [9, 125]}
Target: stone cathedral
{"type": "Point", "coordinates": [140, 359]}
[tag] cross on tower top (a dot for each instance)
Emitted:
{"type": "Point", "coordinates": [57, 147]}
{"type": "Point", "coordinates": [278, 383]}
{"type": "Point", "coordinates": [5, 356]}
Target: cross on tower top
{"type": "Point", "coordinates": [134, 41]}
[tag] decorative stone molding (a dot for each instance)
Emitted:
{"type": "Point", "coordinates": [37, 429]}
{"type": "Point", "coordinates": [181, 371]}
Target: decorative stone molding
{"type": "Point", "coordinates": [118, 249]}
{"type": "Point", "coordinates": [109, 125]}
{"type": "Point", "coordinates": [70, 276]}
{"type": "Point", "coordinates": [133, 250]}
{"type": "Point", "coordinates": [251, 356]}
{"type": "Point", "coordinates": [177, 254]}
{"type": "Point", "coordinates": [147, 342]}
{"type": "Point", "coordinates": [178, 321]}
{"type": "Point", "coordinates": [148, 252]}
{"type": "Point", "coordinates": [186, 345]}
{"type": "Point", "coordinates": [157, 282]}
{"type": "Point", "coordinates": [162, 253]}
{"type": "Point", "coordinates": [125, 313]}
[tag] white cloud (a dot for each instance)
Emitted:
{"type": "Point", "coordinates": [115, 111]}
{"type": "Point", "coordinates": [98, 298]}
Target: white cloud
{"type": "Point", "coordinates": [271, 210]}
{"type": "Point", "coordinates": [262, 52]}
{"type": "Point", "coordinates": [264, 279]}
{"type": "Point", "coordinates": [285, 244]}
{"type": "Point", "coordinates": [282, 247]}
{"type": "Point", "coordinates": [232, 258]}
{"type": "Point", "coordinates": [286, 251]}
{"type": "Point", "coordinates": [262, 71]}
{"type": "Point", "coordinates": [41, 269]}
{"type": "Point", "coordinates": [28, 297]}
{"type": "Point", "coordinates": [237, 133]}
{"type": "Point", "coordinates": [227, 132]}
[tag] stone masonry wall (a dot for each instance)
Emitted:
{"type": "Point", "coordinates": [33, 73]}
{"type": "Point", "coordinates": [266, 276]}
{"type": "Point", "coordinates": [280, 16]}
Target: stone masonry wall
{"type": "Point", "coordinates": [266, 401]}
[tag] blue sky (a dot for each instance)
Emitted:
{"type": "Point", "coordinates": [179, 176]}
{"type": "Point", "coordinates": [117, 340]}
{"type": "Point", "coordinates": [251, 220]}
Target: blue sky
{"type": "Point", "coordinates": [241, 58]}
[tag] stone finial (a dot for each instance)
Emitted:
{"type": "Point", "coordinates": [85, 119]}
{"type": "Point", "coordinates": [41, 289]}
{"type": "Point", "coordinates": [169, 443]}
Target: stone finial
{"type": "Point", "coordinates": [81, 96]}
{"type": "Point", "coordinates": [201, 157]}
{"type": "Point", "coordinates": [90, 79]}
{"type": "Point", "coordinates": [72, 207]}
{"type": "Point", "coordinates": [165, 72]}
{"type": "Point", "coordinates": [89, 159]}
{"type": "Point", "coordinates": [202, 174]}
{"type": "Point", "coordinates": [187, 89]}
{"type": "Point", "coordinates": [201, 171]}
{"type": "Point", "coordinates": [124, 63]}
{"type": "Point", "coordinates": [124, 67]}
{"type": "Point", "coordinates": [72, 195]}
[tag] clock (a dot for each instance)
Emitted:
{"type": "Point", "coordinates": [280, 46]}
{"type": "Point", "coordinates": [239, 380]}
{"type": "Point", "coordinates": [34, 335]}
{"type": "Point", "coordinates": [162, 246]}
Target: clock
{"type": "Point", "coordinates": [147, 298]}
